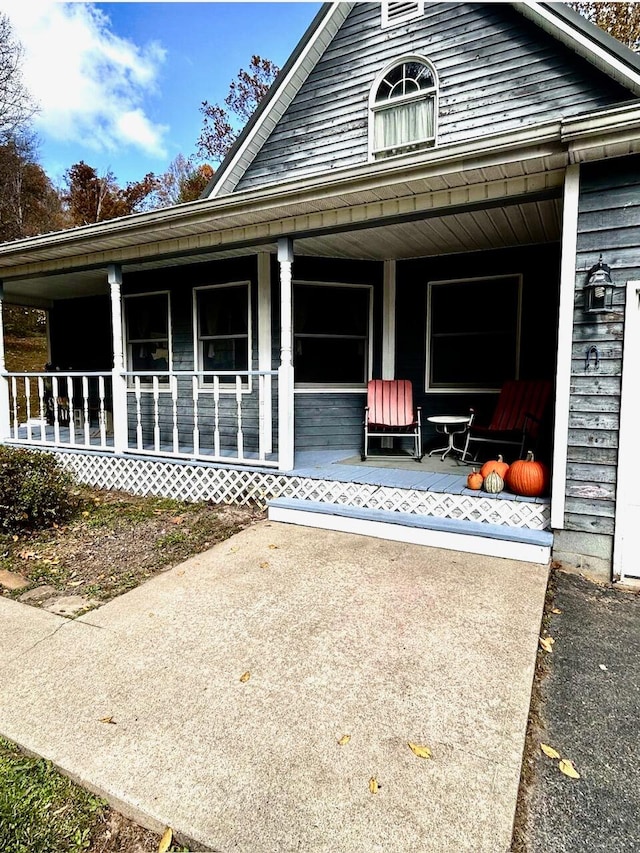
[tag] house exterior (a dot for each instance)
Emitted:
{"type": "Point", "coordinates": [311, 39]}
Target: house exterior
{"type": "Point", "coordinates": [431, 192]}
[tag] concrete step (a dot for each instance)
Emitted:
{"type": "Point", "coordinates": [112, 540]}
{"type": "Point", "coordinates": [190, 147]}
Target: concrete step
{"type": "Point", "coordinates": [496, 540]}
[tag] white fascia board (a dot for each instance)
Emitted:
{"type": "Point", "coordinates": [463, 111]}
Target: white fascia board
{"type": "Point", "coordinates": [581, 44]}
{"type": "Point", "coordinates": [617, 119]}
{"type": "Point", "coordinates": [288, 89]}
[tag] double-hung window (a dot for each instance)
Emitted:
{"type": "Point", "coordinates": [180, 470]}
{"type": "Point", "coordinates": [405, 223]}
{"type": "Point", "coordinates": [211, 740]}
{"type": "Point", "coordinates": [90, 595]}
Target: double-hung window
{"type": "Point", "coordinates": [331, 334]}
{"type": "Point", "coordinates": [403, 109]}
{"type": "Point", "coordinates": [148, 334]}
{"type": "Point", "coordinates": [473, 333]}
{"type": "Point", "coordinates": [223, 323]}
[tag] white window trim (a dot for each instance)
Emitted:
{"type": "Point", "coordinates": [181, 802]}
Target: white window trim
{"type": "Point", "coordinates": [374, 107]}
{"type": "Point", "coordinates": [197, 362]}
{"type": "Point", "coordinates": [465, 389]}
{"type": "Point", "coordinates": [386, 22]}
{"type": "Point", "coordinates": [147, 387]}
{"type": "Point", "coordinates": [333, 387]}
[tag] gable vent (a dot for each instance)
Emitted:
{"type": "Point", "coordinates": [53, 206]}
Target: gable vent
{"type": "Point", "coordinates": [398, 13]}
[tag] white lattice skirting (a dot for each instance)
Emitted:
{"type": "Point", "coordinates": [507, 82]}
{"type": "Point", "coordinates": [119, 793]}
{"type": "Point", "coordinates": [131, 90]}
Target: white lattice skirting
{"type": "Point", "coordinates": [195, 482]}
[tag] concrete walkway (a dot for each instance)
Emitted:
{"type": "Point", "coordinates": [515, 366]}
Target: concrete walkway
{"type": "Point", "coordinates": [341, 634]}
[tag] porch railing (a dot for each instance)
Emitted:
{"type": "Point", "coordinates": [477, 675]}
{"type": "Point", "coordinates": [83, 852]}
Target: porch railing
{"type": "Point", "coordinates": [217, 416]}
{"type": "Point", "coordinates": [220, 416]}
{"type": "Point", "coordinates": [61, 409]}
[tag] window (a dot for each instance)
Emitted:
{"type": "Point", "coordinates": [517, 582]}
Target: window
{"type": "Point", "coordinates": [402, 109]}
{"type": "Point", "coordinates": [148, 334]}
{"type": "Point", "coordinates": [473, 333]}
{"type": "Point", "coordinates": [223, 321]}
{"type": "Point", "coordinates": [331, 334]}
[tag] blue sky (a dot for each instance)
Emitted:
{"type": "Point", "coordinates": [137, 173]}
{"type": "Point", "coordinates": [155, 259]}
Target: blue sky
{"type": "Point", "coordinates": [119, 85]}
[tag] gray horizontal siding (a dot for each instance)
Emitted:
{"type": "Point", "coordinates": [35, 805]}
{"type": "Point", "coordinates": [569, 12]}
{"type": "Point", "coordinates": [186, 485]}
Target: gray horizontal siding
{"type": "Point", "coordinates": [497, 72]}
{"type": "Point", "coordinates": [325, 421]}
{"type": "Point", "coordinates": [608, 224]}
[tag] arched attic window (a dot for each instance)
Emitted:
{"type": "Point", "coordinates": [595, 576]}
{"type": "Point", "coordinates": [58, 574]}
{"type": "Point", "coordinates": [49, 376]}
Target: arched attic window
{"type": "Point", "coordinates": [402, 108]}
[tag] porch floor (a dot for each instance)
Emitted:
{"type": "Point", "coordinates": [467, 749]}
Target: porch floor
{"type": "Point", "coordinates": [402, 472]}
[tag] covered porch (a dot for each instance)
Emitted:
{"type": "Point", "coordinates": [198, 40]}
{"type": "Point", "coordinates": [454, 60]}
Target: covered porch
{"type": "Point", "coordinates": [394, 259]}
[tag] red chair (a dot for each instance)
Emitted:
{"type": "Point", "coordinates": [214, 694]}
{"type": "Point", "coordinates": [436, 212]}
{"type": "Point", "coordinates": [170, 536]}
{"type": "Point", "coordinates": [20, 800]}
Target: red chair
{"type": "Point", "coordinates": [389, 413]}
{"type": "Point", "coordinates": [517, 418]}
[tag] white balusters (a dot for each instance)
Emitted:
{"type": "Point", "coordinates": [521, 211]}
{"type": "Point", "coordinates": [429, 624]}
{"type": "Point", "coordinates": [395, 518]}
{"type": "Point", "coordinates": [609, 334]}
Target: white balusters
{"type": "Point", "coordinates": [102, 415]}
{"type": "Point", "coordinates": [262, 438]}
{"type": "Point", "coordinates": [216, 416]}
{"type": "Point", "coordinates": [239, 435]}
{"type": "Point", "coordinates": [156, 414]}
{"type": "Point", "coordinates": [225, 414]}
{"type": "Point", "coordinates": [72, 424]}
{"type": "Point", "coordinates": [27, 396]}
{"type": "Point", "coordinates": [42, 405]}
{"type": "Point", "coordinates": [174, 409]}
{"type": "Point", "coordinates": [196, 428]}
{"type": "Point", "coordinates": [85, 410]}
{"type": "Point", "coordinates": [138, 394]}
{"type": "Point", "coordinates": [56, 414]}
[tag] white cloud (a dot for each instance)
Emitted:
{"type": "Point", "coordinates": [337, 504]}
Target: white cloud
{"type": "Point", "coordinates": [89, 83]}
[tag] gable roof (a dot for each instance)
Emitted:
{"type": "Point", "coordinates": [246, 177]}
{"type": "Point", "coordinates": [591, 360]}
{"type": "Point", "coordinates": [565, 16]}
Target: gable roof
{"type": "Point", "coordinates": [570, 28]}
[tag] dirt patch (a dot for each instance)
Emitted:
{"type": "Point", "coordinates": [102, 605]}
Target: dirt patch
{"type": "Point", "coordinates": [115, 542]}
{"type": "Point", "coordinates": [116, 834]}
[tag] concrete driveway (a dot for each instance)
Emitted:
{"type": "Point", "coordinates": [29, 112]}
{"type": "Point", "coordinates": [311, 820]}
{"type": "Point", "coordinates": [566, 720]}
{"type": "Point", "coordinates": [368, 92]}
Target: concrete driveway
{"type": "Point", "coordinates": [385, 642]}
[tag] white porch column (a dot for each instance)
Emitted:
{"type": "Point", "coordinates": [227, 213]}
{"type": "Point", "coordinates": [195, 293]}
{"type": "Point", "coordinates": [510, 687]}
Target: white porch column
{"type": "Point", "coordinates": [119, 381]}
{"type": "Point", "coordinates": [5, 417]}
{"type": "Point", "coordinates": [264, 341]}
{"type": "Point", "coordinates": [389, 320]}
{"type": "Point", "coordinates": [285, 371]}
{"type": "Point", "coordinates": [565, 337]}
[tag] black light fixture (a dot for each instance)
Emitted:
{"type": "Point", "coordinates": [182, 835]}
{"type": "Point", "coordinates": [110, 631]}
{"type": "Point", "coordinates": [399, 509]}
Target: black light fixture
{"type": "Point", "coordinates": [598, 291]}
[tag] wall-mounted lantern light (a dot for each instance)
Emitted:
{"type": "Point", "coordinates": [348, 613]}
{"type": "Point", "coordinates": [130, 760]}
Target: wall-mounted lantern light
{"type": "Point", "coordinates": [598, 291]}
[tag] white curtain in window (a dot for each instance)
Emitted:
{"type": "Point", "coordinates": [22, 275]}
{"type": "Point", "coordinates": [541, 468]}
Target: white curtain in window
{"type": "Point", "coordinates": [403, 124]}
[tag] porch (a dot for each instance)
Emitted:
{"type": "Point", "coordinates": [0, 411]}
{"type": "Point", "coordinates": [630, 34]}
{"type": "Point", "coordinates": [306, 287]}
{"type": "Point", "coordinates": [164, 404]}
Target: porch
{"type": "Point", "coordinates": [401, 500]}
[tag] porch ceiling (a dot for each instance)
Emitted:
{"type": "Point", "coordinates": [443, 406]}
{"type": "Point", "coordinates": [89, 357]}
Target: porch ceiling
{"type": "Point", "coordinates": [492, 227]}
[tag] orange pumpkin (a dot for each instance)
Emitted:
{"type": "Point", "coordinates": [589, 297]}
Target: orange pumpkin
{"type": "Point", "coordinates": [527, 477]}
{"type": "Point", "coordinates": [475, 480]}
{"type": "Point", "coordinates": [498, 465]}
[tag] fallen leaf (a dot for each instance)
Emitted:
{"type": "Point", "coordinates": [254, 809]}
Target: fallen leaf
{"type": "Point", "coordinates": [546, 643]}
{"type": "Point", "coordinates": [568, 769]}
{"type": "Point", "coordinates": [549, 750]}
{"type": "Point", "coordinates": [180, 573]}
{"type": "Point", "coordinates": [233, 550]}
{"type": "Point", "coordinates": [557, 611]}
{"type": "Point", "coordinates": [264, 565]}
{"type": "Point", "coordinates": [245, 677]}
{"type": "Point", "coordinates": [373, 785]}
{"type": "Point", "coordinates": [177, 519]}
{"type": "Point", "coordinates": [420, 751]}
{"type": "Point", "coordinates": [344, 740]}
{"type": "Point", "coordinates": [108, 720]}
{"type": "Point", "coordinates": [165, 841]}
{"type": "Point", "coordinates": [273, 547]}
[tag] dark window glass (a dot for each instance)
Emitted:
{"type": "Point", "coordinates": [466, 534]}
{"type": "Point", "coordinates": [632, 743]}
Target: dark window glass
{"type": "Point", "coordinates": [147, 324]}
{"type": "Point", "coordinates": [223, 329]}
{"type": "Point", "coordinates": [331, 334]}
{"type": "Point", "coordinates": [474, 333]}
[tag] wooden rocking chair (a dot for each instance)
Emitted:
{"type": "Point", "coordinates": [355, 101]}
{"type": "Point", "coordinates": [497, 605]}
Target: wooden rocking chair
{"type": "Point", "coordinates": [517, 417]}
{"type": "Point", "coordinates": [390, 414]}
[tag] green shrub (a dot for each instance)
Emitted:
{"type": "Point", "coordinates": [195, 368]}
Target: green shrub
{"type": "Point", "coordinates": [34, 490]}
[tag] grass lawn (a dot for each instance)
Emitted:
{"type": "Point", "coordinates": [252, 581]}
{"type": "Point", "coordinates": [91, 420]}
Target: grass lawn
{"type": "Point", "coordinates": [41, 811]}
{"type": "Point", "coordinates": [114, 542]}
